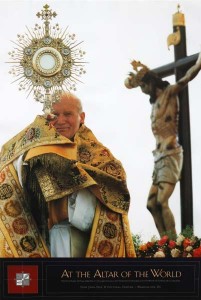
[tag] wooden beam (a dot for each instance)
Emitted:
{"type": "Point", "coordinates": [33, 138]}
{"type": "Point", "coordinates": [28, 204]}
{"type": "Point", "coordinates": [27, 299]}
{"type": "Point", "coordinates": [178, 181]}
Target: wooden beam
{"type": "Point", "coordinates": [178, 68]}
{"type": "Point", "coordinates": [186, 187]}
{"type": "Point", "coordinates": [182, 63]}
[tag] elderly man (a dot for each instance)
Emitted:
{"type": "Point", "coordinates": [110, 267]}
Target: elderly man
{"type": "Point", "coordinates": [63, 194]}
{"type": "Point", "coordinates": [168, 154]}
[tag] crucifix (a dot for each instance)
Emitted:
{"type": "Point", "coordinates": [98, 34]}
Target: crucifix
{"type": "Point", "coordinates": [170, 123]}
{"type": "Point", "coordinates": [178, 68]}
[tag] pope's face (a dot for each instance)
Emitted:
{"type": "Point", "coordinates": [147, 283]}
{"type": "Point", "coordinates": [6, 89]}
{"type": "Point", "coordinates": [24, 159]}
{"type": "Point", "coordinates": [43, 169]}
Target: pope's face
{"type": "Point", "coordinates": [67, 117]}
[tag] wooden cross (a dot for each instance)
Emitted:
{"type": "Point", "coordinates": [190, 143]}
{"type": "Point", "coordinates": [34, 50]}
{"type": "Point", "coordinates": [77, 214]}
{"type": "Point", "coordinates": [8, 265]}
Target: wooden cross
{"type": "Point", "coordinates": [179, 67]}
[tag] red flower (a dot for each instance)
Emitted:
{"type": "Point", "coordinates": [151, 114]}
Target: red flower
{"type": "Point", "coordinates": [197, 252]}
{"type": "Point", "coordinates": [187, 242]}
{"type": "Point", "coordinates": [172, 244]}
{"type": "Point", "coordinates": [163, 240]}
{"type": "Point", "coordinates": [150, 244]}
{"type": "Point", "coordinates": [143, 247]}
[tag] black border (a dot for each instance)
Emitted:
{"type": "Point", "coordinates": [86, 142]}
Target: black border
{"type": "Point", "coordinates": [95, 278]}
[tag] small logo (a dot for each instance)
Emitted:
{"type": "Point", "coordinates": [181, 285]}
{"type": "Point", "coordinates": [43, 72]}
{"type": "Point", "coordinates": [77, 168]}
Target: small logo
{"type": "Point", "coordinates": [22, 279]}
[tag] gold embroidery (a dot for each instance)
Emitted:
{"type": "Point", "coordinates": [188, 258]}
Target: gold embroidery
{"type": "Point", "coordinates": [19, 236]}
{"type": "Point", "coordinates": [90, 165]}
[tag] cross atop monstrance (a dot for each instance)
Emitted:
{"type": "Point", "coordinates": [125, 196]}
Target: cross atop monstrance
{"type": "Point", "coordinates": [178, 68]}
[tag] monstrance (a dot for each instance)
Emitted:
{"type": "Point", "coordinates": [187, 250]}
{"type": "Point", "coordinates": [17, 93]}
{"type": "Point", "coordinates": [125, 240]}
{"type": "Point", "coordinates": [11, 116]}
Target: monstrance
{"type": "Point", "coordinates": [47, 60]}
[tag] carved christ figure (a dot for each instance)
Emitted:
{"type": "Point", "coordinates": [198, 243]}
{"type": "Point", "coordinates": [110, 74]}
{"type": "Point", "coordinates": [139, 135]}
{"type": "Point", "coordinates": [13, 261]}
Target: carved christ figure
{"type": "Point", "coordinates": [168, 153]}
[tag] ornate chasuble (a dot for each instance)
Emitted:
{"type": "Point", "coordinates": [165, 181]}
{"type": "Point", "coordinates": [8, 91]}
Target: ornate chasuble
{"type": "Point", "coordinates": [53, 168]}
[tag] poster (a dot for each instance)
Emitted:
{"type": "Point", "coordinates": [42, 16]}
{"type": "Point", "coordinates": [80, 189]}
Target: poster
{"type": "Point", "coordinates": [114, 33]}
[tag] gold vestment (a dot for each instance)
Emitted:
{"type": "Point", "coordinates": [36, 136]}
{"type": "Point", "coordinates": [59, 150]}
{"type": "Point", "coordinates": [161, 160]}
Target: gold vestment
{"type": "Point", "coordinates": [54, 167]}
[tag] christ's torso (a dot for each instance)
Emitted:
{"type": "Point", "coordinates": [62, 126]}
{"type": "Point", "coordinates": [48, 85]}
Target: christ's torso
{"type": "Point", "coordinates": [164, 121]}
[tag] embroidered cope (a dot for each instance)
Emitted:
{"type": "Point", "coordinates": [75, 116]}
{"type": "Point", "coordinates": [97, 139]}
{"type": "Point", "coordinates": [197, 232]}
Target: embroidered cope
{"type": "Point", "coordinates": [51, 169]}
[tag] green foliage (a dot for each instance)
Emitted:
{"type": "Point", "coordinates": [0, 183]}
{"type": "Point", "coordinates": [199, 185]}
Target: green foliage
{"type": "Point", "coordinates": [137, 241]}
{"type": "Point", "coordinates": [188, 231]}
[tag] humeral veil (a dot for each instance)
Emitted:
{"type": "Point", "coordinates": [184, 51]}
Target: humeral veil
{"type": "Point", "coordinates": [53, 168]}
